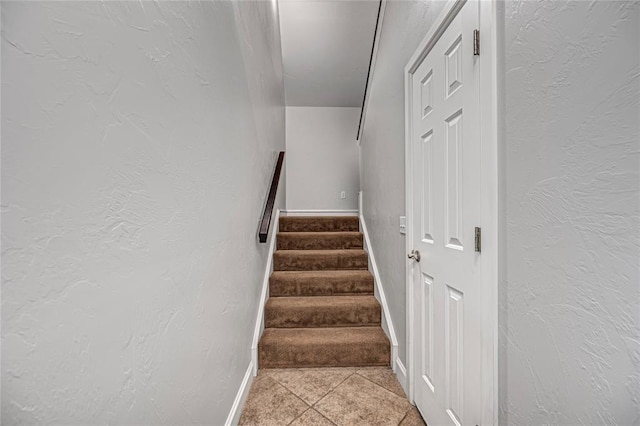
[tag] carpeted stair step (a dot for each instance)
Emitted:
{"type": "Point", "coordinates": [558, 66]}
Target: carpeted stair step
{"type": "Point", "coordinates": [322, 311]}
{"type": "Point", "coordinates": [319, 240]}
{"type": "Point", "coordinates": [316, 260]}
{"type": "Point", "coordinates": [319, 224]}
{"type": "Point", "coordinates": [324, 347]}
{"type": "Point", "coordinates": [320, 283]}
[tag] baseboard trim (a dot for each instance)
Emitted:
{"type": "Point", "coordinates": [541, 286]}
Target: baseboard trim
{"type": "Point", "coordinates": [320, 212]}
{"type": "Point", "coordinates": [387, 323]}
{"type": "Point", "coordinates": [264, 294]}
{"type": "Point", "coordinates": [241, 397]}
{"type": "Point", "coordinates": [401, 374]}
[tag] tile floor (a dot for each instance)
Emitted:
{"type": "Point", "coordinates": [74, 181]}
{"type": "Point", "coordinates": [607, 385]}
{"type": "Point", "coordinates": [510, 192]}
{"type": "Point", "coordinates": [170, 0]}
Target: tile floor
{"type": "Point", "coordinates": [328, 396]}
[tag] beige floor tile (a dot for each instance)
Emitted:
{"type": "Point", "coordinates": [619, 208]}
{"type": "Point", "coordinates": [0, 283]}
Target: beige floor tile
{"type": "Point", "coordinates": [261, 383]}
{"type": "Point", "coordinates": [311, 418]}
{"type": "Point", "coordinates": [310, 384]}
{"type": "Point", "coordinates": [384, 377]}
{"type": "Point", "coordinates": [357, 401]}
{"type": "Point", "coordinates": [271, 404]}
{"type": "Point", "coordinates": [413, 418]}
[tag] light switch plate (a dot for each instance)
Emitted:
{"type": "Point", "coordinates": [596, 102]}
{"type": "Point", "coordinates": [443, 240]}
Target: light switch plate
{"type": "Point", "coordinates": [403, 224]}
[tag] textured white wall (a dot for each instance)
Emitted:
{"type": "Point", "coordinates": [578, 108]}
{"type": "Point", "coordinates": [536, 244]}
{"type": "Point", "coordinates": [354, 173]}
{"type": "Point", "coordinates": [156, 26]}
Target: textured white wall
{"type": "Point", "coordinates": [570, 288]}
{"type": "Point", "coordinates": [137, 146]}
{"type": "Point", "coordinates": [570, 315]}
{"type": "Point", "coordinates": [382, 149]}
{"type": "Point", "coordinates": [322, 158]}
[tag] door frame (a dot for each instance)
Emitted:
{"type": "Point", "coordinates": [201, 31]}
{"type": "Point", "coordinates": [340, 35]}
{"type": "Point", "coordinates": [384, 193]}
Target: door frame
{"type": "Point", "coordinates": [489, 134]}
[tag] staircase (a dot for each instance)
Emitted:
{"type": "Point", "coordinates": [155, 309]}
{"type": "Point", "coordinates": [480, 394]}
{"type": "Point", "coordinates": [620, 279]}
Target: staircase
{"type": "Point", "coordinates": [321, 311]}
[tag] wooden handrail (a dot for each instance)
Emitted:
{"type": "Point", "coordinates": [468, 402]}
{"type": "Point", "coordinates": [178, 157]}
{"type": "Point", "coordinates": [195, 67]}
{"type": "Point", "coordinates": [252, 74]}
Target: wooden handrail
{"type": "Point", "coordinates": [263, 231]}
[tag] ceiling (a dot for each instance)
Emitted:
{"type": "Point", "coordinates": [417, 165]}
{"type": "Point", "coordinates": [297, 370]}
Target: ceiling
{"type": "Point", "coordinates": [326, 46]}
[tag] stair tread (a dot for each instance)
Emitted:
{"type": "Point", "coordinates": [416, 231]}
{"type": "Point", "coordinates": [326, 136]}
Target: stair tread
{"type": "Point", "coordinates": [319, 223]}
{"type": "Point", "coordinates": [320, 240]}
{"type": "Point", "coordinates": [321, 283]}
{"type": "Point", "coordinates": [323, 301]}
{"type": "Point", "coordinates": [314, 260]}
{"type": "Point", "coordinates": [313, 253]}
{"type": "Point", "coordinates": [318, 233]}
{"type": "Point", "coordinates": [322, 311]}
{"type": "Point", "coordinates": [324, 347]}
{"type": "Point", "coordinates": [314, 219]}
{"type": "Point", "coordinates": [324, 336]}
{"type": "Point", "coordinates": [351, 273]}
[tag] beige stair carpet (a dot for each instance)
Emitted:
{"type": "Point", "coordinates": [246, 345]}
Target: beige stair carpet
{"type": "Point", "coordinates": [321, 311]}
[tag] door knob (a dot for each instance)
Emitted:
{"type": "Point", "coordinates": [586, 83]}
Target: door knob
{"type": "Point", "coordinates": [415, 255]}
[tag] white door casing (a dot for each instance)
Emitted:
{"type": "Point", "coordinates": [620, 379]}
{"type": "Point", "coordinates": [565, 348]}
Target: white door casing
{"type": "Point", "coordinates": [451, 339]}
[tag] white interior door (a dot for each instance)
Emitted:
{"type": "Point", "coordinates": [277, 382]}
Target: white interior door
{"type": "Point", "coordinates": [446, 210]}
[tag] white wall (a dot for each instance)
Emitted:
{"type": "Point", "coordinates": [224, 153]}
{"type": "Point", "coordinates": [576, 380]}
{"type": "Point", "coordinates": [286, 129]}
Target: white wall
{"type": "Point", "coordinates": [382, 150]}
{"type": "Point", "coordinates": [137, 146]}
{"type": "Point", "coordinates": [322, 158]}
{"type": "Point", "coordinates": [570, 281]}
{"type": "Point", "coordinates": [570, 315]}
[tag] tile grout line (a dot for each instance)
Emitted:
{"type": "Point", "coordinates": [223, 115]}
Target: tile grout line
{"type": "Point", "coordinates": [275, 384]}
{"type": "Point", "coordinates": [313, 407]}
{"type": "Point", "coordinates": [354, 371]}
{"type": "Point", "coordinates": [388, 390]}
{"type": "Point", "coordinates": [301, 414]}
{"type": "Point", "coordinates": [325, 394]}
{"type": "Point", "coordinates": [297, 397]}
{"type": "Point", "coordinates": [331, 390]}
{"type": "Point", "coordinates": [405, 416]}
{"type": "Point", "coordinates": [380, 386]}
{"type": "Point", "coordinates": [324, 417]}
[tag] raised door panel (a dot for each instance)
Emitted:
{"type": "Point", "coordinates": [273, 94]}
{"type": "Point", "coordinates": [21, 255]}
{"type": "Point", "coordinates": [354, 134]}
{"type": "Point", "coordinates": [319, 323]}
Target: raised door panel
{"type": "Point", "coordinates": [454, 345]}
{"type": "Point", "coordinates": [453, 181]}
{"type": "Point", "coordinates": [427, 187]}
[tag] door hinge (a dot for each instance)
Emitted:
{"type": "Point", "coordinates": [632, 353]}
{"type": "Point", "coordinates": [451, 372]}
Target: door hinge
{"type": "Point", "coordinates": [478, 240]}
{"type": "Point", "coordinates": [476, 42]}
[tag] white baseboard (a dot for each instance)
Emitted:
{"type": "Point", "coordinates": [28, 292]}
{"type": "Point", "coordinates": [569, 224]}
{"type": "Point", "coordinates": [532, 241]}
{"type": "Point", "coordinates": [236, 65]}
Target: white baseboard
{"type": "Point", "coordinates": [401, 374]}
{"type": "Point", "coordinates": [320, 212]}
{"type": "Point", "coordinates": [238, 403]}
{"type": "Point", "coordinates": [387, 323]}
{"type": "Point", "coordinates": [264, 294]}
